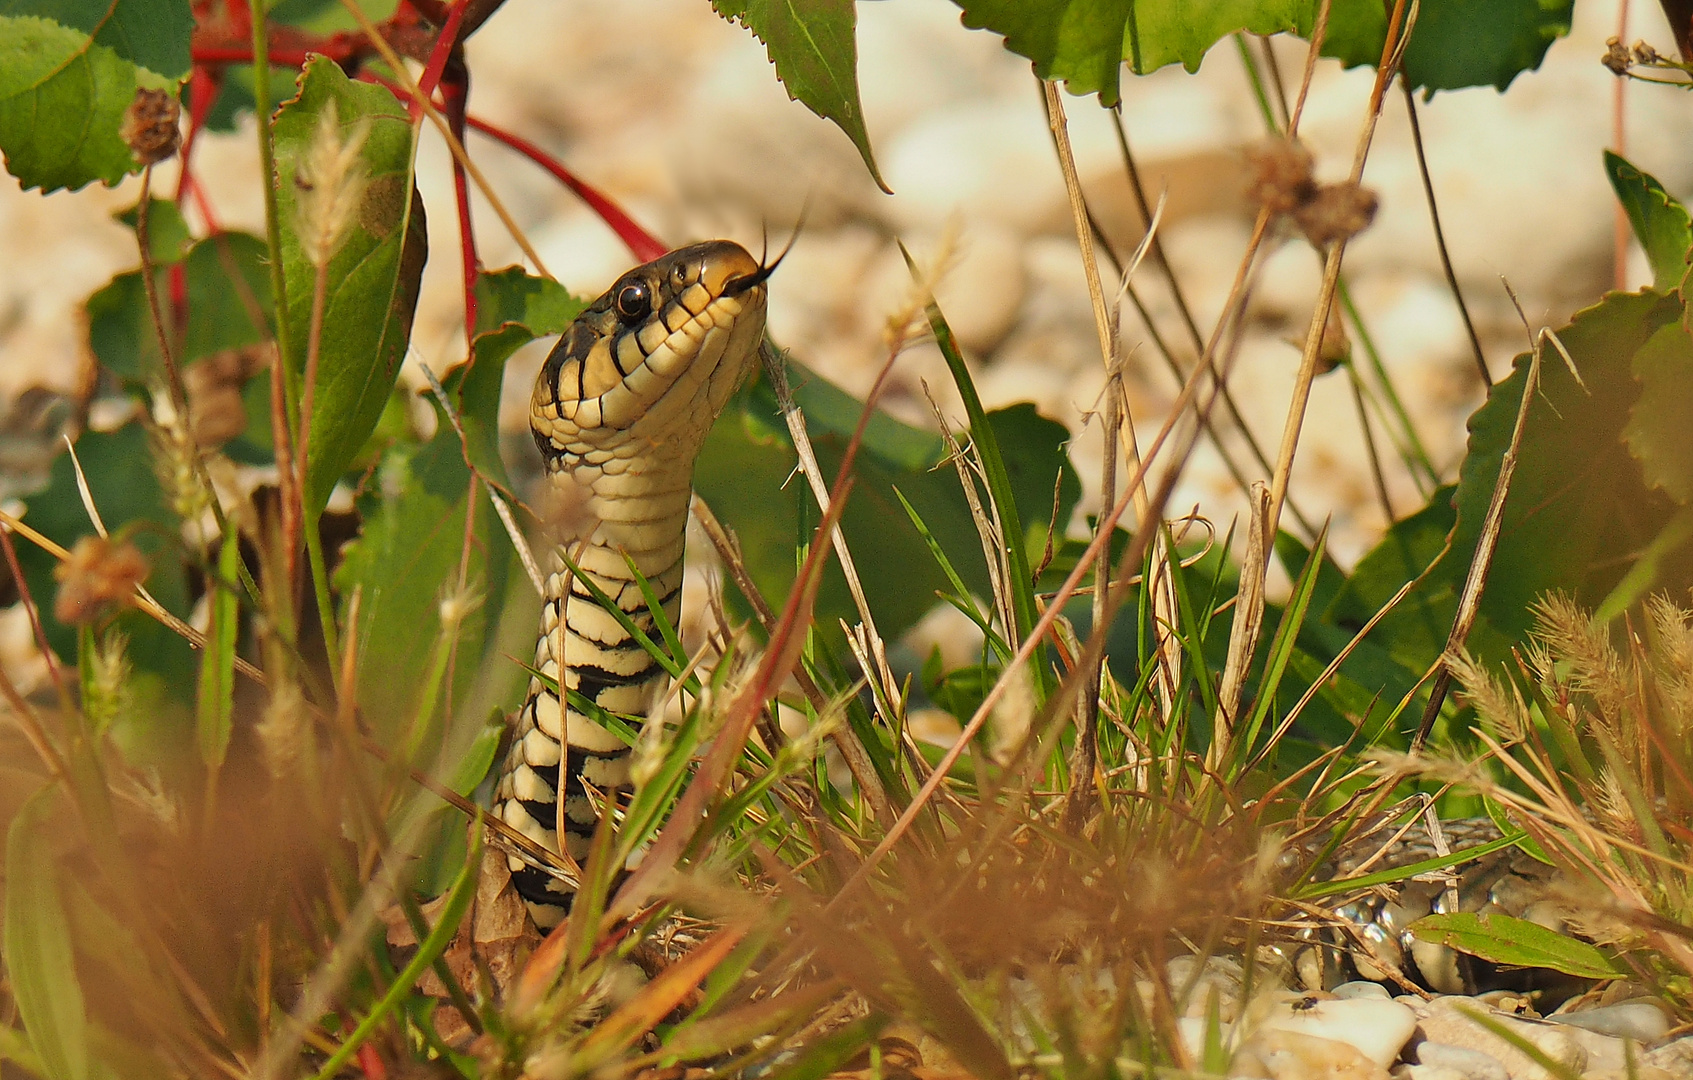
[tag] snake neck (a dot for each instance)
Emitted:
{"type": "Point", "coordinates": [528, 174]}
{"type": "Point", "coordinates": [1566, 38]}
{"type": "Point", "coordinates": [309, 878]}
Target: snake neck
{"type": "Point", "coordinates": [557, 752]}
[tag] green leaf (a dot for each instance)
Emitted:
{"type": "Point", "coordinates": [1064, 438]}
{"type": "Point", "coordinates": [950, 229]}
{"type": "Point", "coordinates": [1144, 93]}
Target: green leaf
{"type": "Point", "coordinates": [372, 278]}
{"type": "Point", "coordinates": [1085, 42]}
{"type": "Point", "coordinates": [747, 460]}
{"type": "Point", "coordinates": [1661, 223]}
{"type": "Point", "coordinates": [167, 233]}
{"type": "Point", "coordinates": [1414, 632]}
{"type": "Point", "coordinates": [328, 16]}
{"type": "Point", "coordinates": [1659, 423]}
{"type": "Point", "coordinates": [40, 961]}
{"type": "Point", "coordinates": [227, 286]}
{"type": "Point", "coordinates": [512, 309]}
{"type": "Point", "coordinates": [405, 558]}
{"type": "Point", "coordinates": [62, 100]}
{"type": "Point", "coordinates": [1500, 939]}
{"type": "Point", "coordinates": [153, 34]}
{"type": "Point", "coordinates": [1455, 43]}
{"type": "Point", "coordinates": [540, 305]}
{"type": "Point", "coordinates": [1579, 506]}
{"type": "Point", "coordinates": [814, 46]}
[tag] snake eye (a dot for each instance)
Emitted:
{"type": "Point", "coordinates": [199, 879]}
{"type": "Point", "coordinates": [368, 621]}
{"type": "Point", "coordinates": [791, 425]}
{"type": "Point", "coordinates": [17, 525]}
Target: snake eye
{"type": "Point", "coordinates": [634, 302]}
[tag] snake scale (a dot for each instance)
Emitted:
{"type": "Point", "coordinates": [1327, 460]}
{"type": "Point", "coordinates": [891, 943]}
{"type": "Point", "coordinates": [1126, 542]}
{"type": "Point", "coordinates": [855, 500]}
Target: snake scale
{"type": "Point", "coordinates": [620, 411]}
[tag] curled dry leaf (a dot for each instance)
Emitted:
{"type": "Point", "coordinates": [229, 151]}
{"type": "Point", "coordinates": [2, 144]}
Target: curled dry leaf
{"type": "Point", "coordinates": [101, 574]}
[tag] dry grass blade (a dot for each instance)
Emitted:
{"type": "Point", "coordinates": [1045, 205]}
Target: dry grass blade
{"type": "Point", "coordinates": [777, 373]}
{"type": "Point", "coordinates": [1248, 622]}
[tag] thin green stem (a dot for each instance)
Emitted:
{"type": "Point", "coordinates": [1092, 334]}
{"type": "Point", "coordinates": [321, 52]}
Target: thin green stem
{"type": "Point", "coordinates": [325, 604]}
{"type": "Point", "coordinates": [143, 236]}
{"type": "Point", "coordinates": [312, 512]}
{"type": "Point", "coordinates": [285, 399]}
{"type": "Point", "coordinates": [1257, 81]}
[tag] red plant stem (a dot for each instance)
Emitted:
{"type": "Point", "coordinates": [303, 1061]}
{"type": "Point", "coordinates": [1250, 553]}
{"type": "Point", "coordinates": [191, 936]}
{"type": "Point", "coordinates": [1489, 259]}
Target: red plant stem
{"type": "Point", "coordinates": [445, 46]}
{"type": "Point", "coordinates": [203, 87]}
{"type": "Point", "coordinates": [641, 243]}
{"type": "Point", "coordinates": [455, 95]}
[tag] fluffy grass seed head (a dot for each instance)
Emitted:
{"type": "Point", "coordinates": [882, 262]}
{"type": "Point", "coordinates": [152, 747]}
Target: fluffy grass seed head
{"type": "Point", "coordinates": [330, 179]}
{"type": "Point", "coordinates": [108, 693]}
{"type": "Point", "coordinates": [175, 455]}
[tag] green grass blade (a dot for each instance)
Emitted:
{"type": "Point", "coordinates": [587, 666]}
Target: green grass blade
{"type": "Point", "coordinates": [40, 960]}
{"type": "Point", "coordinates": [1022, 585]}
{"type": "Point", "coordinates": [215, 705]}
{"type": "Point", "coordinates": [1317, 890]}
{"type": "Point", "coordinates": [961, 592]}
{"type": "Point", "coordinates": [1281, 650]}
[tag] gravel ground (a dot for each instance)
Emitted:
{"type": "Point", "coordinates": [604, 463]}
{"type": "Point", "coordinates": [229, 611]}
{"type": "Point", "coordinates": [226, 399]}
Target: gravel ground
{"type": "Point", "coordinates": [676, 113]}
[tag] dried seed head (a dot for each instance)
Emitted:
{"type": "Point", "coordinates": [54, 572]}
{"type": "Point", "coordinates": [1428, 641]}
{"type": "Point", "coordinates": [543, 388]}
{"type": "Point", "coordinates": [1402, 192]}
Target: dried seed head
{"type": "Point", "coordinates": [1281, 175]}
{"type": "Point", "coordinates": [99, 575]}
{"type": "Point", "coordinates": [1645, 54]}
{"type": "Point", "coordinates": [149, 126]}
{"type": "Point", "coordinates": [330, 178]}
{"type": "Point", "coordinates": [1616, 56]}
{"type": "Point", "coordinates": [1336, 212]}
{"type": "Point", "coordinates": [284, 731]}
{"type": "Point", "coordinates": [652, 749]}
{"type": "Point", "coordinates": [175, 458]}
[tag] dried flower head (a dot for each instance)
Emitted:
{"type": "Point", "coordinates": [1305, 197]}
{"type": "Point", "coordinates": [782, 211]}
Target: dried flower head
{"type": "Point", "coordinates": [285, 733]}
{"type": "Point", "coordinates": [149, 126]}
{"type": "Point", "coordinates": [331, 178]}
{"type": "Point", "coordinates": [1616, 56]}
{"type": "Point", "coordinates": [1281, 175]}
{"type": "Point", "coordinates": [1336, 212]}
{"type": "Point", "coordinates": [100, 575]}
{"type": "Point", "coordinates": [1645, 54]}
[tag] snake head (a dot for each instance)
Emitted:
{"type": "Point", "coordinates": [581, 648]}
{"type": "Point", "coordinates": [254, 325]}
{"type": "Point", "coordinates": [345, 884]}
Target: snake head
{"type": "Point", "coordinates": [650, 364]}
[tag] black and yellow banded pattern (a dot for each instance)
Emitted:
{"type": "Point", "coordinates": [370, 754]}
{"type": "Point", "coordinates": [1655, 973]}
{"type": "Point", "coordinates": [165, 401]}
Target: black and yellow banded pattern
{"type": "Point", "coordinates": [620, 411]}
